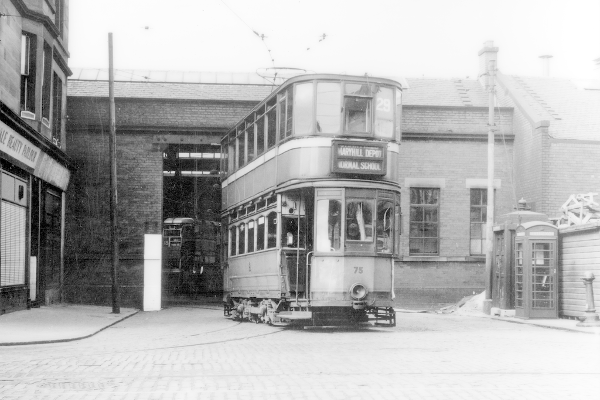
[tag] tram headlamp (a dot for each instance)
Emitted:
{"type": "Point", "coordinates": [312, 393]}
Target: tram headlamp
{"type": "Point", "coordinates": [358, 291]}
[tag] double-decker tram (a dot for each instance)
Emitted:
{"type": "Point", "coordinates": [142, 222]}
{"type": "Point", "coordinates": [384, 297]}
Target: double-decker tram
{"type": "Point", "coordinates": [311, 203]}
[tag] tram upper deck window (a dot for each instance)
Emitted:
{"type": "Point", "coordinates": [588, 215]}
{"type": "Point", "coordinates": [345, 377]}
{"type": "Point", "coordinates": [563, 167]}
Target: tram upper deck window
{"type": "Point", "coordinates": [384, 113]}
{"type": "Point", "coordinates": [260, 131]}
{"type": "Point", "coordinates": [250, 145]}
{"type": "Point", "coordinates": [329, 104]}
{"type": "Point", "coordinates": [357, 108]}
{"type": "Point", "coordinates": [232, 153]}
{"type": "Point", "coordinates": [271, 123]}
{"type": "Point", "coordinates": [303, 108]}
{"type": "Point", "coordinates": [285, 108]}
{"type": "Point", "coordinates": [240, 144]}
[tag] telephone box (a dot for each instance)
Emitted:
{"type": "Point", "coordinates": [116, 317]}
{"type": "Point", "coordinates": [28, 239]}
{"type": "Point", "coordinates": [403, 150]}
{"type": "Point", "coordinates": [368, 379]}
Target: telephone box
{"type": "Point", "coordinates": [536, 263]}
{"type": "Point", "coordinates": [503, 274]}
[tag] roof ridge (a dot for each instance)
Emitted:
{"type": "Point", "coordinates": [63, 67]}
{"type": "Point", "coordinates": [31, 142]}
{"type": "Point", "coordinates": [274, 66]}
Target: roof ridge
{"type": "Point", "coordinates": [537, 98]}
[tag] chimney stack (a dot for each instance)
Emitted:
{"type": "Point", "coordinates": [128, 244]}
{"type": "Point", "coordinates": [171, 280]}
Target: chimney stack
{"type": "Point", "coordinates": [487, 54]}
{"type": "Point", "coordinates": [546, 64]}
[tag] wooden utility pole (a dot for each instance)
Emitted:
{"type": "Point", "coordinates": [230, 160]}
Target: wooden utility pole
{"type": "Point", "coordinates": [489, 231]}
{"type": "Point", "coordinates": [112, 149]}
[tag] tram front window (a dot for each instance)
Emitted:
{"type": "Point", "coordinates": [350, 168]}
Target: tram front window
{"type": "Point", "coordinates": [357, 112]}
{"type": "Point", "coordinates": [385, 226]}
{"type": "Point", "coordinates": [291, 229]}
{"type": "Point", "coordinates": [329, 222]}
{"type": "Point", "coordinates": [359, 220]}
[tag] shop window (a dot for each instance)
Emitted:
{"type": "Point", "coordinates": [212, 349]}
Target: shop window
{"type": "Point", "coordinates": [28, 73]}
{"type": "Point", "coordinates": [13, 219]}
{"type": "Point", "coordinates": [328, 107]}
{"type": "Point", "coordinates": [424, 221]}
{"type": "Point", "coordinates": [478, 221]}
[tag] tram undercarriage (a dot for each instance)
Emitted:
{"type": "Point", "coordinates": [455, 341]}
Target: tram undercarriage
{"type": "Point", "coordinates": [290, 312]}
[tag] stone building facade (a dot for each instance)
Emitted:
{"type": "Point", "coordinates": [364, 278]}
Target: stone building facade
{"type": "Point", "coordinates": [35, 169]}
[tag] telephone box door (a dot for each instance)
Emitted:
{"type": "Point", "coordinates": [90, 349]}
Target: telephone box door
{"type": "Point", "coordinates": [536, 285]}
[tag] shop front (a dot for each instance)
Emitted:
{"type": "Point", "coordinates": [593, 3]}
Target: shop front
{"type": "Point", "coordinates": [34, 176]}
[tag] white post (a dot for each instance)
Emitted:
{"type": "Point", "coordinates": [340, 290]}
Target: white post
{"type": "Point", "coordinates": [152, 272]}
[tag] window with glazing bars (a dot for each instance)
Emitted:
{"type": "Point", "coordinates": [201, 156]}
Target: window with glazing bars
{"type": "Point", "coordinates": [424, 221]}
{"type": "Point", "coordinates": [478, 219]}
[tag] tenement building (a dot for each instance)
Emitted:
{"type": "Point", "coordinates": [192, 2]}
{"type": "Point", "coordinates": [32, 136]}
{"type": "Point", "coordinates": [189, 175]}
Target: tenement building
{"type": "Point", "coordinates": [169, 126]}
{"type": "Point", "coordinates": [35, 169]}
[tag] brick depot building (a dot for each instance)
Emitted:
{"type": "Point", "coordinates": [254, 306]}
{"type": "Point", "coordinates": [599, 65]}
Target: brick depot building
{"type": "Point", "coordinates": [547, 134]}
{"type": "Point", "coordinates": [34, 167]}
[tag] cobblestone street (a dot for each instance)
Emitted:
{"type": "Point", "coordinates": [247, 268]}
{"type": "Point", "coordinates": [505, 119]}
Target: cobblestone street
{"type": "Point", "coordinates": [193, 352]}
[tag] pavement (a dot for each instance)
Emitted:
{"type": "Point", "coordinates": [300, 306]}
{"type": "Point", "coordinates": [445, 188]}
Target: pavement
{"type": "Point", "coordinates": [68, 322]}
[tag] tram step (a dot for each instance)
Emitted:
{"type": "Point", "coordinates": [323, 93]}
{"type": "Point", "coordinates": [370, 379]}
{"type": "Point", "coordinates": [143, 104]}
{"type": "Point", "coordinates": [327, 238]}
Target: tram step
{"type": "Point", "coordinates": [295, 315]}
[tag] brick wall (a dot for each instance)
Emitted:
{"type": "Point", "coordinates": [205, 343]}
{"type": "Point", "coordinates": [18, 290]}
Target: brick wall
{"type": "Point", "coordinates": [419, 119]}
{"type": "Point", "coordinates": [158, 114]}
{"type": "Point", "coordinates": [428, 282]}
{"type": "Point", "coordinates": [88, 246]}
{"type": "Point", "coordinates": [572, 169]}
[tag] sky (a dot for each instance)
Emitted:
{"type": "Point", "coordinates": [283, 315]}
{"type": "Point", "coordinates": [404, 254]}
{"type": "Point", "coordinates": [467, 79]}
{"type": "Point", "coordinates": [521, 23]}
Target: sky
{"type": "Point", "coordinates": [386, 38]}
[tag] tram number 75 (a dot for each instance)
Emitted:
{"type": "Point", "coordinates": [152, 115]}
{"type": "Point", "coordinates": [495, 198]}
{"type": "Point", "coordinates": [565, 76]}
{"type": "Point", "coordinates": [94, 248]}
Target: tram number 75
{"type": "Point", "coordinates": [358, 270]}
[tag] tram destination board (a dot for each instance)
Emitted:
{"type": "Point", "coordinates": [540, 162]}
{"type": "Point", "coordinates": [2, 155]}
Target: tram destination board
{"type": "Point", "coordinates": [351, 157]}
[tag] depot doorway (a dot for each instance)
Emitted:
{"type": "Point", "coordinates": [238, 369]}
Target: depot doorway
{"type": "Point", "coordinates": [191, 268]}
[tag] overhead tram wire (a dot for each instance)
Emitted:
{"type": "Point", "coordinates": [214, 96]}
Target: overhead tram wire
{"type": "Point", "coordinates": [261, 36]}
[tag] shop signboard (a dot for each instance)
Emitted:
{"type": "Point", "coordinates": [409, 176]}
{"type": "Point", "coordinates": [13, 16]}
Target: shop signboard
{"type": "Point", "coordinates": [17, 146]}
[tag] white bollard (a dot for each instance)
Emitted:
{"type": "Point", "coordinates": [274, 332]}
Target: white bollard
{"type": "Point", "coordinates": [152, 272]}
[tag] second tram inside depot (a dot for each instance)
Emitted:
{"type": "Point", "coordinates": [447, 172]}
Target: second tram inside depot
{"type": "Point", "coordinates": [311, 203]}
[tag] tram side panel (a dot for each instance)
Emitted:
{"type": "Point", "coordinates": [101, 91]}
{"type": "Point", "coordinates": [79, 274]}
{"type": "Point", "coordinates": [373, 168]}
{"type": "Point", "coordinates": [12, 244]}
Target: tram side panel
{"type": "Point", "coordinates": [254, 275]}
{"type": "Point", "coordinates": [294, 162]}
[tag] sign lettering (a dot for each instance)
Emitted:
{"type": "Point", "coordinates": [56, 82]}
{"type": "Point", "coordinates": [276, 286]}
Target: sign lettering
{"type": "Point", "coordinates": [359, 158]}
{"type": "Point", "coordinates": [17, 146]}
